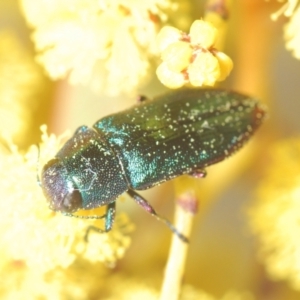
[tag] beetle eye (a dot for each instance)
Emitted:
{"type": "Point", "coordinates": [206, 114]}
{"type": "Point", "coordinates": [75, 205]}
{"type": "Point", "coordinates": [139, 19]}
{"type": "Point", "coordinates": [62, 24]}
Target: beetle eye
{"type": "Point", "coordinates": [72, 202]}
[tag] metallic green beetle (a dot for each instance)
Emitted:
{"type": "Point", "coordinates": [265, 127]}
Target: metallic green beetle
{"type": "Point", "coordinates": [177, 133]}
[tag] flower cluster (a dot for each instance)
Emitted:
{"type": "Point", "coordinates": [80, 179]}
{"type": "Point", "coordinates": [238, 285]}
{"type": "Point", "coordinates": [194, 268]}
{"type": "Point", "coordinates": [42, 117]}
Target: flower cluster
{"type": "Point", "coordinates": [20, 94]}
{"type": "Point", "coordinates": [275, 215]}
{"type": "Point", "coordinates": [287, 9]}
{"type": "Point", "coordinates": [292, 34]}
{"type": "Point", "coordinates": [126, 288]}
{"type": "Point", "coordinates": [291, 9]}
{"type": "Point", "coordinates": [35, 240]}
{"type": "Point", "coordinates": [103, 44]}
{"type": "Point", "coordinates": [191, 58]}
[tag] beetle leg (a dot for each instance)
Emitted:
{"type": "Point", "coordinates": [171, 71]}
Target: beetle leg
{"type": "Point", "coordinates": [109, 220]}
{"type": "Point", "coordinates": [198, 173]}
{"type": "Point", "coordinates": [142, 98]}
{"type": "Point", "coordinates": [146, 206]}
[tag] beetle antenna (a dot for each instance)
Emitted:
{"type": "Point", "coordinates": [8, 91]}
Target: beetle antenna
{"type": "Point", "coordinates": [146, 206]}
{"type": "Point", "coordinates": [90, 227]}
{"type": "Point", "coordinates": [83, 217]}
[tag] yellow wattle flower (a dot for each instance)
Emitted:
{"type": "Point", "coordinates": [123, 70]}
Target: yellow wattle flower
{"type": "Point", "coordinates": [177, 56]}
{"type": "Point", "coordinates": [203, 33]}
{"type": "Point", "coordinates": [36, 236]}
{"type": "Point", "coordinates": [275, 215]}
{"type": "Point", "coordinates": [291, 10]}
{"type": "Point", "coordinates": [106, 45]}
{"type": "Point", "coordinates": [204, 70]}
{"type": "Point", "coordinates": [191, 58]}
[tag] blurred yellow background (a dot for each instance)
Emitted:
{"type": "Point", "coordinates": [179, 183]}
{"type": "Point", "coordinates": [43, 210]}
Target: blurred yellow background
{"type": "Point", "coordinates": [225, 252]}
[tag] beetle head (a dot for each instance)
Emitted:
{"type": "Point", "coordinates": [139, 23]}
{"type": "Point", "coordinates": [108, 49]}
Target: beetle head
{"type": "Point", "coordinates": [59, 189]}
